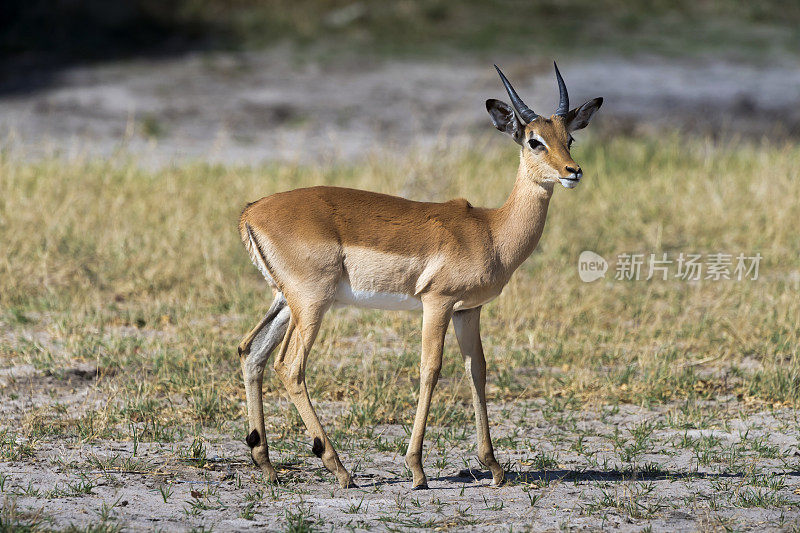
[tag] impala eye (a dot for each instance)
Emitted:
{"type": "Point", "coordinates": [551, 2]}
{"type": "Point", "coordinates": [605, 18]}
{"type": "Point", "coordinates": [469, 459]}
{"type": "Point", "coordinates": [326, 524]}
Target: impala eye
{"type": "Point", "coordinates": [534, 144]}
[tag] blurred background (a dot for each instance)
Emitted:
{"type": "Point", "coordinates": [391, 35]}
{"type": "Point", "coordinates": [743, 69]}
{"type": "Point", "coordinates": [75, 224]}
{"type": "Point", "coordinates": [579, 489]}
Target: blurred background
{"type": "Point", "coordinates": [241, 81]}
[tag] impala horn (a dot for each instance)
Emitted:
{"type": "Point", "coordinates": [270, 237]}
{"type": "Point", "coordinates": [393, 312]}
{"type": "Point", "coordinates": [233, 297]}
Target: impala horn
{"type": "Point", "coordinates": [524, 112]}
{"type": "Point", "coordinates": [563, 96]}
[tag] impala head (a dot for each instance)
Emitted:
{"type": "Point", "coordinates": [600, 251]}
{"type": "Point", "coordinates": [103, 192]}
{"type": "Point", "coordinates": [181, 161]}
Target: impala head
{"type": "Point", "coordinates": [545, 141]}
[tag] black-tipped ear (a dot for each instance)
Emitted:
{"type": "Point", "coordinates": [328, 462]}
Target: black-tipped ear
{"type": "Point", "coordinates": [579, 117]}
{"type": "Point", "coordinates": [504, 119]}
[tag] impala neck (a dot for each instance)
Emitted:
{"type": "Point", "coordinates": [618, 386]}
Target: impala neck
{"type": "Point", "coordinates": [519, 222]}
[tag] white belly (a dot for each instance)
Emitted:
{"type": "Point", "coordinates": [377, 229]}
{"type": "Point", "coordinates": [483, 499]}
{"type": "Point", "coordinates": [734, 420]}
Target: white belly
{"type": "Point", "coordinates": [345, 295]}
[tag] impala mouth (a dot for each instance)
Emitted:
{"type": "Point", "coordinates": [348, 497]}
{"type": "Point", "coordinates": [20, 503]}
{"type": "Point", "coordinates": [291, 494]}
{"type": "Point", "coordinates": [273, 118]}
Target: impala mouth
{"type": "Point", "coordinates": [570, 182]}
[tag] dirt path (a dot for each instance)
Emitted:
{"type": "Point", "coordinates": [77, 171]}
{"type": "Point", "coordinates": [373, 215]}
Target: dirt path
{"type": "Point", "coordinates": [668, 486]}
{"type": "Point", "coordinates": [255, 107]}
{"type": "Point", "coordinates": [680, 467]}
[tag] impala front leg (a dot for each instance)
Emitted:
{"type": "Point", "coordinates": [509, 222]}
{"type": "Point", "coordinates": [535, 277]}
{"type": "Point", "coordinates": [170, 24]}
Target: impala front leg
{"type": "Point", "coordinates": [468, 332]}
{"type": "Point", "coordinates": [435, 318]}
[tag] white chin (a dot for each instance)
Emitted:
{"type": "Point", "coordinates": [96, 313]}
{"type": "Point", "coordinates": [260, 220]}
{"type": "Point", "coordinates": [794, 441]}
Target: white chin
{"type": "Point", "coordinates": [569, 184]}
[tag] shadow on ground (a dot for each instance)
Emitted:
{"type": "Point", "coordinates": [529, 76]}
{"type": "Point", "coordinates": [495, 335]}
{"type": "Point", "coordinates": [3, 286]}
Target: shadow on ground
{"type": "Point", "coordinates": [580, 476]}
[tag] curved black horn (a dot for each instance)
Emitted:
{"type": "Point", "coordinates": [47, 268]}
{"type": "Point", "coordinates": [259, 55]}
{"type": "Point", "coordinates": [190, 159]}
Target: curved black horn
{"type": "Point", "coordinates": [525, 113]}
{"type": "Point", "coordinates": [563, 96]}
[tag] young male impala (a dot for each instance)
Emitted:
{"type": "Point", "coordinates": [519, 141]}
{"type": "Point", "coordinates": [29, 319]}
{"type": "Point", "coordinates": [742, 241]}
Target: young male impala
{"type": "Point", "coordinates": [328, 246]}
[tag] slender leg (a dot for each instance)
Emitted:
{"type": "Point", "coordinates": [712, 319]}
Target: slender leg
{"type": "Point", "coordinates": [435, 318]}
{"type": "Point", "coordinates": [468, 332]}
{"type": "Point", "coordinates": [278, 304]}
{"type": "Point", "coordinates": [254, 351]}
{"type": "Point", "coordinates": [291, 368]}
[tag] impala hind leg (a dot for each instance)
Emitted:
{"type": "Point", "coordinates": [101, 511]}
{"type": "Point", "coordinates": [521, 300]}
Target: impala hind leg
{"type": "Point", "coordinates": [254, 351]}
{"type": "Point", "coordinates": [468, 332]}
{"type": "Point", "coordinates": [290, 365]}
{"type": "Point", "coordinates": [435, 318]}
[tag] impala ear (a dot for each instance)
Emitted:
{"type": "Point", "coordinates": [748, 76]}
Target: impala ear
{"type": "Point", "coordinates": [579, 117]}
{"type": "Point", "coordinates": [504, 119]}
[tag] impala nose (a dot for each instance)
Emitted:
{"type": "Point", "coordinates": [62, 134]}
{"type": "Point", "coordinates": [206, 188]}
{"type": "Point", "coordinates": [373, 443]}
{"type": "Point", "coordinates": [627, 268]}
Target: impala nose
{"type": "Point", "coordinates": [574, 170]}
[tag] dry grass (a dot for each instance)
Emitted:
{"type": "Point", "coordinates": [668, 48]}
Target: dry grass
{"type": "Point", "coordinates": [142, 274]}
{"type": "Point", "coordinates": [138, 278]}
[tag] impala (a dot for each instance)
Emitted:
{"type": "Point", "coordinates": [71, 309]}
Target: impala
{"type": "Point", "coordinates": [322, 247]}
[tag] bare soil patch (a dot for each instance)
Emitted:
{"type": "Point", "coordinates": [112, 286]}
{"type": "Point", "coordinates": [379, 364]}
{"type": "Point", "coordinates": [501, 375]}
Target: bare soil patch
{"type": "Point", "coordinates": [679, 467]}
{"type": "Point", "coordinates": [251, 108]}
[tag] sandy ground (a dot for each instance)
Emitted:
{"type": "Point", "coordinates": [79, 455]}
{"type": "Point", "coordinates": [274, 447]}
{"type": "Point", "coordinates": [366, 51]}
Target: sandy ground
{"type": "Point", "coordinates": [622, 468]}
{"type": "Point", "coordinates": [254, 107]}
